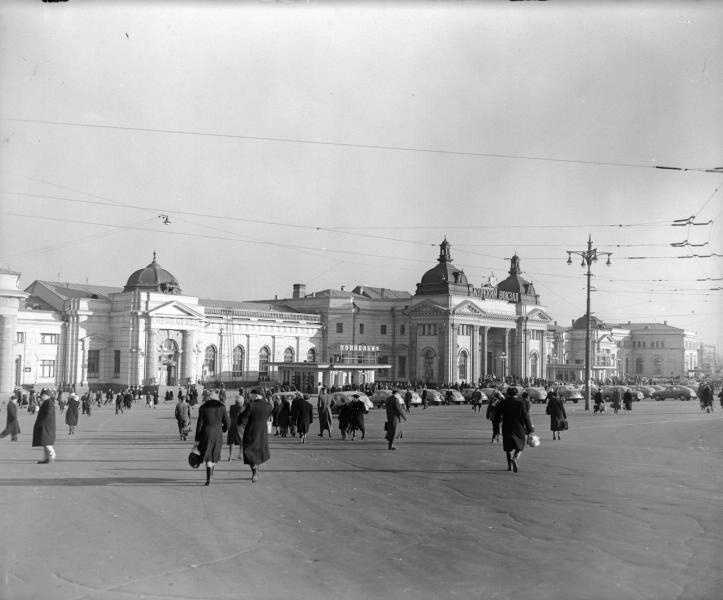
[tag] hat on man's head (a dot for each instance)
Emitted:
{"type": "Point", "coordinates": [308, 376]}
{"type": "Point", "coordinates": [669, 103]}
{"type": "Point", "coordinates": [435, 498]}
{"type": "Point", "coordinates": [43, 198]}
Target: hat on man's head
{"type": "Point", "coordinates": [74, 396]}
{"type": "Point", "coordinates": [511, 391]}
{"type": "Point", "coordinates": [213, 396]}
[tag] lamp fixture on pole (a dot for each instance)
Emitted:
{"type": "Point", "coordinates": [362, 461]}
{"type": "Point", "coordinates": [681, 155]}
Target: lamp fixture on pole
{"type": "Point", "coordinates": [588, 257]}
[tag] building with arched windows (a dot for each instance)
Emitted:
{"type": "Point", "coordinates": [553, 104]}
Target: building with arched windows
{"type": "Point", "coordinates": [149, 333]}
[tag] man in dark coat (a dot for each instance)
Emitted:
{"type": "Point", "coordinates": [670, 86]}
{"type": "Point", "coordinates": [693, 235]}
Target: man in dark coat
{"type": "Point", "coordinates": [395, 415]}
{"type": "Point", "coordinates": [514, 415]}
{"type": "Point", "coordinates": [12, 427]}
{"type": "Point", "coordinates": [182, 412]}
{"type": "Point", "coordinates": [304, 417]}
{"type": "Point", "coordinates": [558, 416]}
{"type": "Point", "coordinates": [254, 419]}
{"type": "Point", "coordinates": [211, 424]}
{"type": "Point", "coordinates": [44, 428]}
{"type": "Point", "coordinates": [71, 415]}
{"type": "Point", "coordinates": [325, 417]}
{"type": "Point", "coordinates": [358, 410]}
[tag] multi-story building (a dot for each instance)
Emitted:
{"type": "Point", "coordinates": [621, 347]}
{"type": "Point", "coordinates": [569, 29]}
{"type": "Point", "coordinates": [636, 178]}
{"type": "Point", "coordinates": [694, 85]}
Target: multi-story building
{"type": "Point", "coordinates": [148, 333]}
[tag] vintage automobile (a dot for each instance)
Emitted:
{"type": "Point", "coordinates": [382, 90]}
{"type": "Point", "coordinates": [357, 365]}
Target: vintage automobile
{"type": "Point", "coordinates": [339, 398]}
{"type": "Point", "coordinates": [607, 392]}
{"type": "Point", "coordinates": [452, 396]}
{"type": "Point", "coordinates": [536, 395]}
{"type": "Point", "coordinates": [434, 397]}
{"type": "Point", "coordinates": [680, 392]}
{"type": "Point", "coordinates": [568, 392]}
{"type": "Point", "coordinates": [468, 394]}
{"type": "Point", "coordinates": [379, 398]}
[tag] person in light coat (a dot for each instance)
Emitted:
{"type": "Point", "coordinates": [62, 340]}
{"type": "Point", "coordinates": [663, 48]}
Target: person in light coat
{"type": "Point", "coordinates": [395, 410]}
{"type": "Point", "coordinates": [71, 414]}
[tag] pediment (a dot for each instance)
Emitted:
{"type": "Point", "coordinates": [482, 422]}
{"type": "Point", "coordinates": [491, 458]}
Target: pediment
{"type": "Point", "coordinates": [175, 309]}
{"type": "Point", "coordinates": [468, 308]}
{"type": "Point", "coordinates": [427, 309]}
{"type": "Point", "coordinates": [538, 314]}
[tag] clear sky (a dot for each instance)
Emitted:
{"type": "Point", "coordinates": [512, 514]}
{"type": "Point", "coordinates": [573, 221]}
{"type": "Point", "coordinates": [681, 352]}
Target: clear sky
{"type": "Point", "coordinates": [336, 144]}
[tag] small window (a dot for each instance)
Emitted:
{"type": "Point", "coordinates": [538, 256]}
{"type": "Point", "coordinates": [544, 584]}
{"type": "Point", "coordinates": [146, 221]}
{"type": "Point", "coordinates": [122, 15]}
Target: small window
{"type": "Point", "coordinates": [116, 363]}
{"type": "Point", "coordinates": [402, 329]}
{"type": "Point", "coordinates": [361, 328]}
{"type": "Point", "coordinates": [48, 338]}
{"type": "Point", "coordinates": [20, 337]}
{"type": "Point", "coordinates": [383, 329]}
{"type": "Point", "coordinates": [47, 368]}
{"type": "Point", "coordinates": [402, 371]}
{"type": "Point", "coordinates": [93, 364]}
{"type": "Point", "coordinates": [340, 327]}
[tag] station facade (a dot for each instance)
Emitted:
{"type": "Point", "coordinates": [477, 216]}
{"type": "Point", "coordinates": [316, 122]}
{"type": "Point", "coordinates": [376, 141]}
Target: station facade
{"type": "Point", "coordinates": [149, 333]}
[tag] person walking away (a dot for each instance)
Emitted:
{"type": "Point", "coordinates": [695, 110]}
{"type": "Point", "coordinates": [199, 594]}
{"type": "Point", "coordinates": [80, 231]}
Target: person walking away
{"type": "Point", "coordinates": [599, 403]}
{"type": "Point", "coordinates": [407, 399]}
{"type": "Point", "coordinates": [183, 418]}
{"type": "Point", "coordinates": [44, 428]}
{"type": "Point", "coordinates": [616, 400]}
{"type": "Point", "coordinates": [235, 433]}
{"type": "Point", "coordinates": [304, 417]}
{"type": "Point", "coordinates": [275, 410]}
{"type": "Point", "coordinates": [254, 419]}
{"type": "Point", "coordinates": [344, 417]}
{"type": "Point", "coordinates": [325, 417]}
{"type": "Point", "coordinates": [491, 414]}
{"type": "Point", "coordinates": [558, 416]}
{"type": "Point", "coordinates": [71, 415]}
{"type": "Point", "coordinates": [358, 410]}
{"type": "Point", "coordinates": [513, 414]}
{"type": "Point", "coordinates": [627, 401]}
{"type": "Point", "coordinates": [425, 400]}
{"type": "Point", "coordinates": [12, 425]}
{"type": "Point", "coordinates": [395, 415]}
{"type": "Point", "coordinates": [211, 424]}
{"type": "Point", "coordinates": [284, 417]}
{"type": "Point", "coordinates": [477, 400]}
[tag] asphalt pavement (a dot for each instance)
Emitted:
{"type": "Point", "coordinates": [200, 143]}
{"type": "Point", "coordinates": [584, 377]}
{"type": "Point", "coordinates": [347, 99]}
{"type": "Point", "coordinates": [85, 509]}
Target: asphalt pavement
{"type": "Point", "coordinates": [623, 507]}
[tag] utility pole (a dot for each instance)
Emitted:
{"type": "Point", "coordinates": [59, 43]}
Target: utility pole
{"type": "Point", "coordinates": [588, 256]}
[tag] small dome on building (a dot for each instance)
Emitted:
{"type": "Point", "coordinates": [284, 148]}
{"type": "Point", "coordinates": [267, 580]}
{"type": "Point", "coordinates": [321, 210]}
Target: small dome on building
{"type": "Point", "coordinates": [442, 278]}
{"type": "Point", "coordinates": [595, 323]}
{"type": "Point", "coordinates": [518, 284]}
{"type": "Point", "coordinates": [153, 278]}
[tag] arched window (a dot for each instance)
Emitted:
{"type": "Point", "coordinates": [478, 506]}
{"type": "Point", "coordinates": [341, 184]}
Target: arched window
{"type": "Point", "coordinates": [533, 365]}
{"type": "Point", "coordinates": [238, 361]}
{"type": "Point", "coordinates": [657, 366]}
{"type": "Point", "coordinates": [289, 355]}
{"type": "Point", "coordinates": [311, 355]}
{"type": "Point", "coordinates": [264, 354]}
{"type": "Point", "coordinates": [639, 366]}
{"type": "Point", "coordinates": [462, 365]}
{"type": "Point", "coordinates": [209, 362]}
{"type": "Point", "coordinates": [429, 359]}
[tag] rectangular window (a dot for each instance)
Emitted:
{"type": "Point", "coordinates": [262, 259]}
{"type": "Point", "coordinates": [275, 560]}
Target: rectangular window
{"type": "Point", "coordinates": [48, 338]}
{"type": "Point", "coordinates": [383, 360]}
{"type": "Point", "coordinates": [93, 364]}
{"type": "Point", "coordinates": [116, 363]}
{"type": "Point", "coordinates": [361, 328]}
{"type": "Point", "coordinates": [402, 329]}
{"type": "Point", "coordinates": [47, 368]}
{"type": "Point", "coordinates": [20, 337]}
{"type": "Point", "coordinates": [402, 371]}
{"type": "Point", "coordinates": [340, 327]}
{"type": "Point", "coordinates": [383, 330]}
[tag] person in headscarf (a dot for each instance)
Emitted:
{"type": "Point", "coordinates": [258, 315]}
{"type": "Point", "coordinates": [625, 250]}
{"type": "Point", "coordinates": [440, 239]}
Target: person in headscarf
{"type": "Point", "coordinates": [514, 415]}
{"type": "Point", "coordinates": [71, 415]}
{"type": "Point", "coordinates": [182, 413]}
{"type": "Point", "coordinates": [12, 426]}
{"type": "Point", "coordinates": [235, 432]}
{"type": "Point", "coordinates": [44, 428]}
{"type": "Point", "coordinates": [254, 419]}
{"type": "Point", "coordinates": [211, 424]}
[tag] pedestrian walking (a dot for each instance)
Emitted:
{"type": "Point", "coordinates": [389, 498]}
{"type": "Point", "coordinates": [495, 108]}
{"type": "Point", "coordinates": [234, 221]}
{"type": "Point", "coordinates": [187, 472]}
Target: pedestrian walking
{"type": "Point", "coordinates": [395, 415]}
{"type": "Point", "coordinates": [324, 410]}
{"type": "Point", "coordinates": [627, 401]}
{"type": "Point", "coordinates": [44, 428]}
{"type": "Point", "coordinates": [284, 417]}
{"type": "Point", "coordinates": [12, 426]}
{"type": "Point", "coordinates": [182, 413]}
{"type": "Point", "coordinates": [558, 416]}
{"type": "Point", "coordinates": [616, 400]}
{"type": "Point", "coordinates": [71, 414]}
{"type": "Point", "coordinates": [254, 419]}
{"type": "Point", "coordinates": [514, 416]}
{"type": "Point", "coordinates": [235, 431]}
{"type": "Point", "coordinates": [304, 416]}
{"type": "Point", "coordinates": [599, 402]}
{"type": "Point", "coordinates": [490, 414]}
{"type": "Point", "coordinates": [358, 410]}
{"type": "Point", "coordinates": [344, 417]}
{"type": "Point", "coordinates": [211, 424]}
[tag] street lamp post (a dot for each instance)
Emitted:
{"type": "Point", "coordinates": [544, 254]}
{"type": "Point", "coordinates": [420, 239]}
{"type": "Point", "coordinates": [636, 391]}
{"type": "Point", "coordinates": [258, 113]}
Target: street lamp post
{"type": "Point", "coordinates": [588, 256]}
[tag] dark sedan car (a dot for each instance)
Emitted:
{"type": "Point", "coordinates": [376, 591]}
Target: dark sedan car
{"type": "Point", "coordinates": [674, 391]}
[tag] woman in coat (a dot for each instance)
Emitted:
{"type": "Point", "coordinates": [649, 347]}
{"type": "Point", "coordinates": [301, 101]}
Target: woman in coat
{"type": "Point", "coordinates": [558, 417]}
{"type": "Point", "coordinates": [616, 400]}
{"type": "Point", "coordinates": [254, 419]}
{"type": "Point", "coordinates": [344, 417]}
{"type": "Point", "coordinates": [211, 424]}
{"type": "Point", "coordinates": [44, 428]}
{"type": "Point", "coordinates": [284, 417]}
{"type": "Point", "coordinates": [183, 418]}
{"type": "Point", "coordinates": [304, 417]}
{"type": "Point", "coordinates": [358, 410]}
{"type": "Point", "coordinates": [12, 426]}
{"type": "Point", "coordinates": [514, 415]}
{"type": "Point", "coordinates": [235, 432]}
{"type": "Point", "coordinates": [71, 415]}
{"type": "Point", "coordinates": [325, 417]}
{"type": "Point", "coordinates": [395, 410]}
{"type": "Point", "coordinates": [627, 401]}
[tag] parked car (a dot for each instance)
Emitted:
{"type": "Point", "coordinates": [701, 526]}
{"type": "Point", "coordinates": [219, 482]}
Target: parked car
{"type": "Point", "coordinates": [567, 392]}
{"type": "Point", "coordinates": [468, 393]}
{"type": "Point", "coordinates": [646, 390]}
{"type": "Point", "coordinates": [492, 393]}
{"type": "Point", "coordinates": [337, 397]}
{"type": "Point", "coordinates": [416, 398]}
{"type": "Point", "coordinates": [674, 391]}
{"type": "Point", "coordinates": [433, 396]}
{"type": "Point", "coordinates": [379, 398]}
{"type": "Point", "coordinates": [536, 395]}
{"type": "Point", "coordinates": [607, 392]}
{"type": "Point", "coordinates": [452, 396]}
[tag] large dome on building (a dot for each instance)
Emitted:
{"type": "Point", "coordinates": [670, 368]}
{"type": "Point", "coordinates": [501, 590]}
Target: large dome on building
{"type": "Point", "coordinates": [153, 278]}
{"type": "Point", "coordinates": [595, 323]}
{"type": "Point", "coordinates": [444, 278]}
